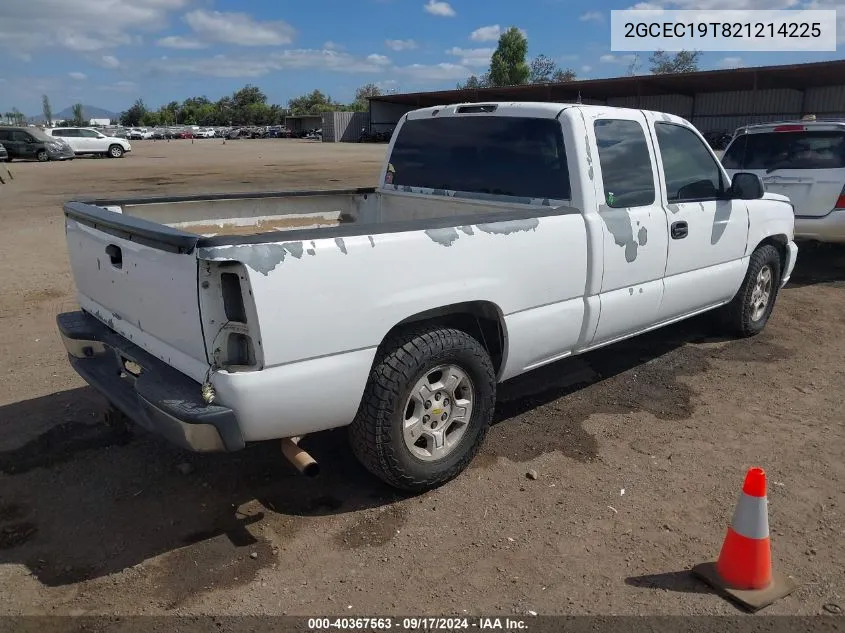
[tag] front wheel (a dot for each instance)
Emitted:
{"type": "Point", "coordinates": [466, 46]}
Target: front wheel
{"type": "Point", "coordinates": [115, 151]}
{"type": "Point", "coordinates": [426, 408]}
{"type": "Point", "coordinates": [749, 311]}
{"type": "Point", "coordinates": [42, 156]}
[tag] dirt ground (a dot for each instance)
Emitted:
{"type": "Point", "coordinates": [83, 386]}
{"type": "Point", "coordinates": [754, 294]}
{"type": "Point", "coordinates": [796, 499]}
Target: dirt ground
{"type": "Point", "coordinates": [640, 449]}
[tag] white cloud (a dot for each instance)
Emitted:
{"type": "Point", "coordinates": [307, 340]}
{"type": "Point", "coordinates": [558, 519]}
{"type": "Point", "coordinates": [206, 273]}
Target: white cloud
{"type": "Point", "coordinates": [731, 62]}
{"type": "Point", "coordinates": [238, 28]}
{"type": "Point", "coordinates": [616, 59]}
{"type": "Point", "coordinates": [258, 66]}
{"type": "Point", "coordinates": [472, 56]}
{"type": "Point", "coordinates": [435, 7]}
{"type": "Point", "coordinates": [120, 86]}
{"type": "Point", "coordinates": [77, 75]}
{"type": "Point", "coordinates": [109, 61]}
{"type": "Point", "coordinates": [400, 45]}
{"type": "Point", "coordinates": [332, 46]}
{"type": "Point", "coordinates": [586, 69]}
{"type": "Point", "coordinates": [434, 72]}
{"type": "Point", "coordinates": [181, 43]}
{"type": "Point", "coordinates": [592, 16]}
{"type": "Point", "coordinates": [84, 26]}
{"type": "Point", "coordinates": [486, 33]}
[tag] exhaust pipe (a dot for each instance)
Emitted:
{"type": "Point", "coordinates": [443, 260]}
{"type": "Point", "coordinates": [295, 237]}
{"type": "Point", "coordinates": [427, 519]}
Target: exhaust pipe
{"type": "Point", "coordinates": [300, 459]}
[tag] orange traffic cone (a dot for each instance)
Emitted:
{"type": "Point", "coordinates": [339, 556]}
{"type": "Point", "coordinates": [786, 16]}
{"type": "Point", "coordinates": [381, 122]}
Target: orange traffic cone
{"type": "Point", "coordinates": [743, 571]}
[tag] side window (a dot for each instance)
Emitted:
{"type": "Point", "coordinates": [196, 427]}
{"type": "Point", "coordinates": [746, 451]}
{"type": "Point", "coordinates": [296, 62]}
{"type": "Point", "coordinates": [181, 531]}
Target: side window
{"type": "Point", "coordinates": [86, 133]}
{"type": "Point", "coordinates": [691, 172]}
{"type": "Point", "coordinates": [57, 132]}
{"type": "Point", "coordinates": [625, 163]}
{"type": "Point", "coordinates": [22, 137]}
{"type": "Point", "coordinates": [5, 135]}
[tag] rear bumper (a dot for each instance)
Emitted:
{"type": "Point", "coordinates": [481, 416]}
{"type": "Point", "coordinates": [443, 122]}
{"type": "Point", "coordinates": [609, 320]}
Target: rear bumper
{"type": "Point", "coordinates": [827, 228]}
{"type": "Point", "coordinates": [159, 398]}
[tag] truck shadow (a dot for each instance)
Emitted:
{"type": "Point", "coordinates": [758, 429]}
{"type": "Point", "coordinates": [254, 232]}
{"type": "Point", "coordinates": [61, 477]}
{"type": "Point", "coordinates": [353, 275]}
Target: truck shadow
{"type": "Point", "coordinates": [79, 502]}
{"type": "Point", "coordinates": [818, 263]}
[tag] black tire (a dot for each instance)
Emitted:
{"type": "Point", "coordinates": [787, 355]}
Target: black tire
{"type": "Point", "coordinates": [115, 151]}
{"type": "Point", "coordinates": [376, 434]}
{"type": "Point", "coordinates": [41, 156]}
{"type": "Point", "coordinates": [738, 315]}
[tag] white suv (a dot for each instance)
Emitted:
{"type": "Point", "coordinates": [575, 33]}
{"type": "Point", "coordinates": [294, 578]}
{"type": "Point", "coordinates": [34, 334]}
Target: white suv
{"type": "Point", "coordinates": [85, 140]}
{"type": "Point", "coordinates": [803, 160]}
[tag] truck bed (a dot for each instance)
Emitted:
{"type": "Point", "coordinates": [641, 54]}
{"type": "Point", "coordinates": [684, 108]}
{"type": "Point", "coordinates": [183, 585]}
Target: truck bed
{"type": "Point", "coordinates": [250, 214]}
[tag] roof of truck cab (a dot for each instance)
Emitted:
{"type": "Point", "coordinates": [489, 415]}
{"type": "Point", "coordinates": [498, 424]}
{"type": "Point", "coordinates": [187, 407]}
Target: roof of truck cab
{"type": "Point", "coordinates": [539, 109]}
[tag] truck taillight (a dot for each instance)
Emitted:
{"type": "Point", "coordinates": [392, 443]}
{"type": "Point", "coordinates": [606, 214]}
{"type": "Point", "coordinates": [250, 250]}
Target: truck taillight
{"type": "Point", "coordinates": [230, 323]}
{"type": "Point", "coordinates": [790, 128]}
{"type": "Point", "coordinates": [840, 201]}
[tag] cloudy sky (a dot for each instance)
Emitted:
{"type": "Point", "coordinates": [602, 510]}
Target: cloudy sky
{"type": "Point", "coordinates": [109, 52]}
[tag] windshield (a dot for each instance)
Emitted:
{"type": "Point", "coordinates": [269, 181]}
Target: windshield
{"type": "Point", "coordinates": [39, 135]}
{"type": "Point", "coordinates": [787, 150]}
{"type": "Point", "coordinates": [508, 156]}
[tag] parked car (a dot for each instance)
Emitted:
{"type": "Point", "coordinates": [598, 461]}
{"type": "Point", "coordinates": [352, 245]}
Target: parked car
{"type": "Point", "coordinates": [4, 155]}
{"type": "Point", "coordinates": [139, 134]}
{"type": "Point", "coordinates": [556, 228]}
{"type": "Point", "coordinates": [185, 134]}
{"type": "Point", "coordinates": [85, 140]}
{"type": "Point", "coordinates": [32, 142]}
{"type": "Point", "coordinates": [803, 160]}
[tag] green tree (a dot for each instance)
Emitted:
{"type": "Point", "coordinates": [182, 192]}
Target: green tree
{"type": "Point", "coordinates": [682, 62]}
{"type": "Point", "coordinates": [47, 110]}
{"type": "Point", "coordinates": [78, 117]}
{"type": "Point", "coordinates": [542, 68]}
{"type": "Point", "coordinates": [314, 102]}
{"type": "Point", "coordinates": [474, 82]}
{"type": "Point", "coordinates": [562, 75]}
{"type": "Point", "coordinates": [507, 66]}
{"type": "Point", "coordinates": [362, 97]}
{"type": "Point", "coordinates": [17, 117]}
{"type": "Point", "coordinates": [132, 117]}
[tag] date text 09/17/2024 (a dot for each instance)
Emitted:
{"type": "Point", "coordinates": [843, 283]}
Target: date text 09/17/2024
{"type": "Point", "coordinates": [417, 624]}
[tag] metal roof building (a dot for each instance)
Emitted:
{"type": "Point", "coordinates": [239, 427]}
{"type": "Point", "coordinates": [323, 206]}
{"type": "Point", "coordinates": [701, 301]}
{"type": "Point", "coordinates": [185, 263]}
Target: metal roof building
{"type": "Point", "coordinates": [713, 100]}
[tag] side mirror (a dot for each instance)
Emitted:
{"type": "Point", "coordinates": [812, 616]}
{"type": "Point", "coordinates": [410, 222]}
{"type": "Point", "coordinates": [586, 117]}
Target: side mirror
{"type": "Point", "coordinates": [746, 186]}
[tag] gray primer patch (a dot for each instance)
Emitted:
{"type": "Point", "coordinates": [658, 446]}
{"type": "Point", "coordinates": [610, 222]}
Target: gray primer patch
{"type": "Point", "coordinates": [618, 222]}
{"type": "Point", "coordinates": [311, 251]}
{"type": "Point", "coordinates": [341, 244]}
{"type": "Point", "coordinates": [674, 208]}
{"type": "Point", "coordinates": [466, 229]}
{"type": "Point", "coordinates": [630, 291]}
{"type": "Point", "coordinates": [642, 236]}
{"type": "Point", "coordinates": [372, 241]}
{"type": "Point", "coordinates": [546, 202]}
{"type": "Point", "coordinates": [590, 172]}
{"type": "Point", "coordinates": [294, 248]}
{"type": "Point", "coordinates": [510, 226]}
{"type": "Point", "coordinates": [444, 237]}
{"type": "Point", "coordinates": [720, 223]}
{"type": "Point", "coordinates": [261, 258]}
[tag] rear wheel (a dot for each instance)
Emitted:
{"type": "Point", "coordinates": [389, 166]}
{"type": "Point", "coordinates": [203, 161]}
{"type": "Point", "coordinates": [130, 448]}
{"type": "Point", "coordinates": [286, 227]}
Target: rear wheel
{"type": "Point", "coordinates": [41, 156]}
{"type": "Point", "coordinates": [115, 151]}
{"type": "Point", "coordinates": [749, 311]}
{"type": "Point", "coordinates": [426, 408]}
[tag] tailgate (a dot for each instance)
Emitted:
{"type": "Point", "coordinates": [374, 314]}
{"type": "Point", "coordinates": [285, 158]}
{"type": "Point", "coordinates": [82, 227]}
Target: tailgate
{"type": "Point", "coordinates": [812, 193]}
{"type": "Point", "coordinates": [140, 279]}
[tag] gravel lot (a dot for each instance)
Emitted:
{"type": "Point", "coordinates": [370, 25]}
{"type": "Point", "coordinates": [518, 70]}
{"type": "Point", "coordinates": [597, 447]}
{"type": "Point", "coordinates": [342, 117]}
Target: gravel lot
{"type": "Point", "coordinates": [640, 451]}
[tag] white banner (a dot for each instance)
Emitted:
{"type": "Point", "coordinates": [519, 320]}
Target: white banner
{"type": "Point", "coordinates": [723, 31]}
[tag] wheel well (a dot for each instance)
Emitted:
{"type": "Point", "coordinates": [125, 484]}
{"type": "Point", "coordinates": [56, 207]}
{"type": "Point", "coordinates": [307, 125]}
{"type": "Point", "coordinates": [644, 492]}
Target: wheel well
{"type": "Point", "coordinates": [480, 319]}
{"type": "Point", "coordinates": [779, 242]}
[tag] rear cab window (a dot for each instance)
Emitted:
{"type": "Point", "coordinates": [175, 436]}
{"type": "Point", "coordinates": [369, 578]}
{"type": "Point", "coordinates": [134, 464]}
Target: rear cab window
{"type": "Point", "coordinates": [507, 156]}
{"type": "Point", "coordinates": [626, 168]}
{"type": "Point", "coordinates": [808, 149]}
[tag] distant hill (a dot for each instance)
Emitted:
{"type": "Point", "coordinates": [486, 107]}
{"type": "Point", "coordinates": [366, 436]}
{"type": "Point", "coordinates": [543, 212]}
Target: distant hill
{"type": "Point", "coordinates": [88, 112]}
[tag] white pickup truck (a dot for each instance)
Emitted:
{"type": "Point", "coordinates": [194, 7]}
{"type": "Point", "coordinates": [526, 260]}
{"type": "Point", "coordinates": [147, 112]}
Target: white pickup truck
{"type": "Point", "coordinates": [501, 237]}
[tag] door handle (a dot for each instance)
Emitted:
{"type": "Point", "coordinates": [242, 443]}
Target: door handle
{"type": "Point", "coordinates": [679, 230]}
{"type": "Point", "coordinates": [115, 255]}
